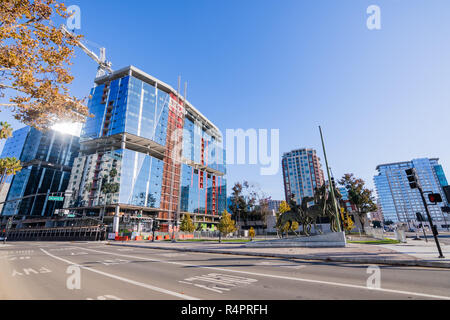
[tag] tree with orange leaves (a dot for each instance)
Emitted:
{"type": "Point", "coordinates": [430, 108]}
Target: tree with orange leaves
{"type": "Point", "coordinates": [35, 56]}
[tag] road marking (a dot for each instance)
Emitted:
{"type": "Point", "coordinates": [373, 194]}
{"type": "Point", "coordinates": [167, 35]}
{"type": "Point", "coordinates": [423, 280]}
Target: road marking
{"type": "Point", "coordinates": [136, 283]}
{"type": "Point", "coordinates": [78, 253]}
{"type": "Point", "coordinates": [337, 284]}
{"type": "Point", "coordinates": [29, 271]}
{"type": "Point", "coordinates": [275, 264]}
{"type": "Point", "coordinates": [60, 249]}
{"type": "Point", "coordinates": [105, 297]}
{"type": "Point", "coordinates": [172, 255]}
{"type": "Point", "coordinates": [110, 262]}
{"type": "Point", "coordinates": [18, 258]}
{"type": "Point", "coordinates": [218, 279]}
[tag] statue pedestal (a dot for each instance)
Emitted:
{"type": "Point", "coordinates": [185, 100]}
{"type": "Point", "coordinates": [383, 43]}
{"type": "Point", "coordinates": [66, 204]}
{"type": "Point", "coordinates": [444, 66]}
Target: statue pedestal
{"type": "Point", "coordinates": [328, 240]}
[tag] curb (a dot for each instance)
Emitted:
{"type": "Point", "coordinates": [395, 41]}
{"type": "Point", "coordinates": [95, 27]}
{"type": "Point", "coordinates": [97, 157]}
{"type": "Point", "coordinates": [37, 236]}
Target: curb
{"type": "Point", "coordinates": [407, 263]}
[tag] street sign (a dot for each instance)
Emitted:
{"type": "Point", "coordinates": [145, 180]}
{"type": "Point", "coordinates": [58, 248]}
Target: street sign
{"type": "Point", "coordinates": [70, 216]}
{"type": "Point", "coordinates": [52, 198]}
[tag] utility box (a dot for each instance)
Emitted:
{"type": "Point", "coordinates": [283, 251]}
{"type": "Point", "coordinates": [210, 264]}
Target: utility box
{"type": "Point", "coordinates": [400, 235]}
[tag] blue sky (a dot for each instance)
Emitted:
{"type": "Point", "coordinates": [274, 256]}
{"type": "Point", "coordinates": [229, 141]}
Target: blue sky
{"type": "Point", "coordinates": [380, 96]}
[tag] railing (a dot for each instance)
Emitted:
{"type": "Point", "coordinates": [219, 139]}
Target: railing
{"type": "Point", "coordinates": [93, 233]}
{"type": "Point", "coordinates": [377, 233]}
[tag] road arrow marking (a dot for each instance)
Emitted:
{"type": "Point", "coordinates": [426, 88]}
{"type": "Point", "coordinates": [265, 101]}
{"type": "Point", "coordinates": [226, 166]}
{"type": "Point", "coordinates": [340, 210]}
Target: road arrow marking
{"type": "Point", "coordinates": [136, 283]}
{"type": "Point", "coordinates": [322, 282]}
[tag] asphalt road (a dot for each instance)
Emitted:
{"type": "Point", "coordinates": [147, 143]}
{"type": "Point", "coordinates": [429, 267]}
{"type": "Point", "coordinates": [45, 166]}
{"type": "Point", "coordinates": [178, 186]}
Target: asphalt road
{"type": "Point", "coordinates": [81, 270]}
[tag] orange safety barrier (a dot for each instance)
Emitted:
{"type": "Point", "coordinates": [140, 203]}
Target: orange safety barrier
{"type": "Point", "coordinates": [122, 238]}
{"type": "Point", "coordinates": [158, 237]}
{"type": "Point", "coordinates": [138, 238]}
{"type": "Point", "coordinates": [166, 237]}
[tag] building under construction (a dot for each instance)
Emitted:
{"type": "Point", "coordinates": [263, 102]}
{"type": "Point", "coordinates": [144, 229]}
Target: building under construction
{"type": "Point", "coordinates": [146, 153]}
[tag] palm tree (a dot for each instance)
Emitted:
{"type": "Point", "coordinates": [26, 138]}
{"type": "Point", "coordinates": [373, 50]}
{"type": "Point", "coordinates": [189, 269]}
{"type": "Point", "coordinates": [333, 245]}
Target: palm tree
{"type": "Point", "coordinates": [8, 166]}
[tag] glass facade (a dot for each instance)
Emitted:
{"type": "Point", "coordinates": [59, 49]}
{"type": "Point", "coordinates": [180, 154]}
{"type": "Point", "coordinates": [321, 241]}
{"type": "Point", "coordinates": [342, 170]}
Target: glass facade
{"type": "Point", "coordinates": [144, 114]}
{"type": "Point", "coordinates": [398, 201]}
{"type": "Point", "coordinates": [46, 158]}
{"type": "Point", "coordinates": [198, 199]}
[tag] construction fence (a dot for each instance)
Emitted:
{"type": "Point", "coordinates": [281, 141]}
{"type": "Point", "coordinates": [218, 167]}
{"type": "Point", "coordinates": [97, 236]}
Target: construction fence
{"type": "Point", "coordinates": [88, 233]}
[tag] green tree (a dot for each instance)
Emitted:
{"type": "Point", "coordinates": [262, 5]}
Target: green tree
{"type": "Point", "coordinates": [359, 196]}
{"type": "Point", "coordinates": [8, 166]}
{"type": "Point", "coordinates": [238, 206]}
{"type": "Point", "coordinates": [226, 225]}
{"type": "Point", "coordinates": [186, 224]}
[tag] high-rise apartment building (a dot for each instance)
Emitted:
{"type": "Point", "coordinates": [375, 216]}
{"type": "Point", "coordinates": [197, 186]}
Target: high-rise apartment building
{"type": "Point", "coordinates": [47, 159]}
{"type": "Point", "coordinates": [398, 201]}
{"type": "Point", "coordinates": [128, 160]}
{"type": "Point", "coordinates": [302, 173]}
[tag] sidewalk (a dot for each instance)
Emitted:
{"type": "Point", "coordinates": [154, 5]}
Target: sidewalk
{"type": "Point", "coordinates": [422, 250]}
{"type": "Point", "coordinates": [408, 254]}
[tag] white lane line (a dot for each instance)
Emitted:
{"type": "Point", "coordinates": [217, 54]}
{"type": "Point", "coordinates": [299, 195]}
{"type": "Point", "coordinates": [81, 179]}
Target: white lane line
{"type": "Point", "coordinates": [337, 284]}
{"type": "Point", "coordinates": [136, 283]}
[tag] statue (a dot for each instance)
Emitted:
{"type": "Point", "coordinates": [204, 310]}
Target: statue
{"type": "Point", "coordinates": [323, 207]}
{"type": "Point", "coordinates": [307, 214]}
{"type": "Point", "coordinates": [294, 215]}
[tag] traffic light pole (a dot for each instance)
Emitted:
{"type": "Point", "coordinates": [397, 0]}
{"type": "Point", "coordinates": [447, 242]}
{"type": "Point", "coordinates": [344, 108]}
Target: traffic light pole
{"type": "Point", "coordinates": [434, 231]}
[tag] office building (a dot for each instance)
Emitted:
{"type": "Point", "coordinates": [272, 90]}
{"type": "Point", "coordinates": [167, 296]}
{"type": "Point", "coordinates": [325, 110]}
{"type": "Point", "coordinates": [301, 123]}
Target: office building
{"type": "Point", "coordinates": [47, 159]}
{"type": "Point", "coordinates": [399, 203]}
{"type": "Point", "coordinates": [302, 173]}
{"type": "Point", "coordinates": [129, 164]}
{"type": "Point", "coordinates": [274, 205]}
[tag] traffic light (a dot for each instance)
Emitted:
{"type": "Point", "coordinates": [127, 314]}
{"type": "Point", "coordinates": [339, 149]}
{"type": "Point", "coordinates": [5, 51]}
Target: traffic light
{"type": "Point", "coordinates": [435, 197]}
{"type": "Point", "coordinates": [412, 178]}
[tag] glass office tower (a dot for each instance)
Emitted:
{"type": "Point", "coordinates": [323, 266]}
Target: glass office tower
{"type": "Point", "coordinates": [302, 173]}
{"type": "Point", "coordinates": [398, 201]}
{"type": "Point", "coordinates": [147, 152]}
{"type": "Point", "coordinates": [47, 159]}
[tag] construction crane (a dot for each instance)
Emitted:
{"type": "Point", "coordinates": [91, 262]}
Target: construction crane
{"type": "Point", "coordinates": [104, 66]}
